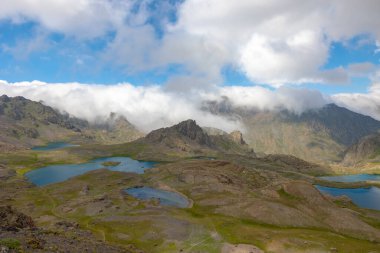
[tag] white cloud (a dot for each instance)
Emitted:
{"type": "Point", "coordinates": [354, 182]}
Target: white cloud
{"type": "Point", "coordinates": [364, 103]}
{"type": "Point", "coordinates": [80, 18]}
{"type": "Point", "coordinates": [273, 42]}
{"type": "Point", "coordinates": [362, 69]}
{"type": "Point", "coordinates": [152, 107]}
{"type": "Point", "coordinates": [351, 17]}
{"type": "Point", "coordinates": [279, 61]}
{"type": "Point", "coordinates": [294, 100]}
{"type": "Point", "coordinates": [146, 107]}
{"type": "Point", "coordinates": [279, 42]}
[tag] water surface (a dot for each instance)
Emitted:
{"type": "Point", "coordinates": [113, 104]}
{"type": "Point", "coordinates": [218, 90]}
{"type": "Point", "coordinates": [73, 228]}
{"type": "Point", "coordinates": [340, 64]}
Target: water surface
{"type": "Point", "coordinates": [58, 173]}
{"type": "Point", "coordinates": [353, 178]}
{"type": "Point", "coordinates": [362, 197]}
{"type": "Point", "coordinates": [166, 198]}
{"type": "Point", "coordinates": [53, 146]}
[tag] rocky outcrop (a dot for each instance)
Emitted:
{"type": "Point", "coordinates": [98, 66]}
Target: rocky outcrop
{"type": "Point", "coordinates": [191, 130]}
{"type": "Point", "coordinates": [18, 233]}
{"type": "Point", "coordinates": [237, 137]}
{"type": "Point", "coordinates": [366, 149]}
{"type": "Point", "coordinates": [12, 220]}
{"type": "Point", "coordinates": [188, 130]}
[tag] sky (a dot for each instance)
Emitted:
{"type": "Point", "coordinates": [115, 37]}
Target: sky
{"type": "Point", "coordinates": [164, 58]}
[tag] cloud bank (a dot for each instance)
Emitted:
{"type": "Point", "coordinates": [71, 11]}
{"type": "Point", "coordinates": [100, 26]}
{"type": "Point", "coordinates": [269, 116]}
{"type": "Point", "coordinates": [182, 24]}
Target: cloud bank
{"type": "Point", "coordinates": [152, 107]}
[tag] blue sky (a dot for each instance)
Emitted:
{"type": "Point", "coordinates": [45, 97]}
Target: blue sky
{"type": "Point", "coordinates": [33, 47]}
{"type": "Point", "coordinates": [157, 61]}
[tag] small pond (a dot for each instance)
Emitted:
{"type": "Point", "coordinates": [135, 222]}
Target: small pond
{"type": "Point", "coordinates": [58, 173]}
{"type": "Point", "coordinates": [166, 198]}
{"type": "Point", "coordinates": [362, 197]}
{"type": "Point", "coordinates": [53, 146]}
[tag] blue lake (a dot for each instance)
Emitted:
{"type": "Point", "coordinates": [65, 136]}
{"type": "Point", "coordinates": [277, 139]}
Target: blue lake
{"type": "Point", "coordinates": [58, 173]}
{"type": "Point", "coordinates": [353, 178]}
{"type": "Point", "coordinates": [166, 198]}
{"type": "Point", "coordinates": [53, 146]}
{"type": "Point", "coordinates": [362, 197]}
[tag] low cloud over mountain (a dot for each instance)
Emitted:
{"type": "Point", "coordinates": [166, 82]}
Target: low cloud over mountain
{"type": "Point", "coordinates": [151, 107]}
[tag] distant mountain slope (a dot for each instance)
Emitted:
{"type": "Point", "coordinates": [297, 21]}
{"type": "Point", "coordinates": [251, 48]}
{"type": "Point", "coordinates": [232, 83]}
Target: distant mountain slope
{"type": "Point", "coordinates": [24, 123]}
{"type": "Point", "coordinates": [20, 109]}
{"type": "Point", "coordinates": [315, 135]}
{"type": "Point", "coordinates": [344, 126]}
{"type": "Point", "coordinates": [117, 129]}
{"type": "Point", "coordinates": [366, 150]}
{"type": "Point", "coordinates": [188, 139]}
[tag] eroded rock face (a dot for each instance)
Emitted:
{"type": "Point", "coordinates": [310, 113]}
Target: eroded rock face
{"type": "Point", "coordinates": [190, 129]}
{"type": "Point", "coordinates": [237, 137]}
{"type": "Point", "coordinates": [13, 220]}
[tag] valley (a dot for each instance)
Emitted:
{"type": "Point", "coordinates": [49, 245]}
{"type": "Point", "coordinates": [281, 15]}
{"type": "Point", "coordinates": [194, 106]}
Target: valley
{"type": "Point", "coordinates": [180, 189]}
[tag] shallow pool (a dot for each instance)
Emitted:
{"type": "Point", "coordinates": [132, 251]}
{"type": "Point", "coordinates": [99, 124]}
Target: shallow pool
{"type": "Point", "coordinates": [165, 198]}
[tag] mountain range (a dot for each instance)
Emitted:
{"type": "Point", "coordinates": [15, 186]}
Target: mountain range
{"type": "Point", "coordinates": [320, 135]}
{"type": "Point", "coordinates": [325, 135]}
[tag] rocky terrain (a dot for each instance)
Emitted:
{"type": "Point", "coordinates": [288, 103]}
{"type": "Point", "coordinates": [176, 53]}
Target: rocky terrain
{"type": "Point", "coordinates": [18, 233]}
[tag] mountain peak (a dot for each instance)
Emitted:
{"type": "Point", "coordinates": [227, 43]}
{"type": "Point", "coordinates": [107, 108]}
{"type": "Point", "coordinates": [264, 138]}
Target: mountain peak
{"type": "Point", "coordinates": [4, 98]}
{"type": "Point", "coordinates": [187, 129]}
{"type": "Point", "coordinates": [190, 129]}
{"type": "Point", "coordinates": [187, 137]}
